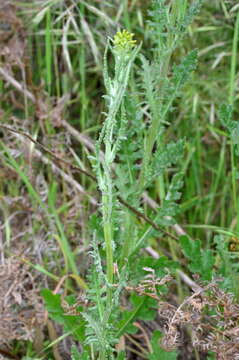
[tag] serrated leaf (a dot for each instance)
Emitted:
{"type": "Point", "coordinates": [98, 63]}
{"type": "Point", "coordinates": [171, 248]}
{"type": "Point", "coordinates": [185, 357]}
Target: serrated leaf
{"type": "Point", "coordinates": [73, 324]}
{"type": "Point", "coordinates": [201, 261]}
{"type": "Point", "coordinates": [75, 355]}
{"type": "Point", "coordinates": [182, 71]}
{"type": "Point", "coordinates": [52, 301]}
{"type": "Point", "coordinates": [225, 114]}
{"type": "Point", "coordinates": [160, 265]}
{"type": "Point", "coordinates": [158, 353]}
{"type": "Point", "coordinates": [125, 324]}
{"type": "Point", "coordinates": [148, 310]}
{"type": "Point", "coordinates": [172, 154]}
{"type": "Point", "coordinates": [121, 356]}
{"type": "Point", "coordinates": [176, 183]}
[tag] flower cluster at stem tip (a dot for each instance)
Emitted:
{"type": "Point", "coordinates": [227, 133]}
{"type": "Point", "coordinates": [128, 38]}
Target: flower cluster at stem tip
{"type": "Point", "coordinates": [123, 41]}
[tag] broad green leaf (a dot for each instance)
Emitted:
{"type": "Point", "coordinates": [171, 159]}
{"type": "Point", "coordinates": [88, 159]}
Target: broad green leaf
{"type": "Point", "coordinates": [158, 353]}
{"type": "Point", "coordinates": [73, 324]}
{"type": "Point", "coordinates": [201, 261]}
{"type": "Point", "coordinates": [75, 355]}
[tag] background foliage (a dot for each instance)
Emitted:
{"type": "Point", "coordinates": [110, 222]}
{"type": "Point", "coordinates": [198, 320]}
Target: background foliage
{"type": "Point", "coordinates": [116, 172]}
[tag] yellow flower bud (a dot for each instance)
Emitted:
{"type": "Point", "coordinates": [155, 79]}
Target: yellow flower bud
{"type": "Point", "coordinates": [123, 41]}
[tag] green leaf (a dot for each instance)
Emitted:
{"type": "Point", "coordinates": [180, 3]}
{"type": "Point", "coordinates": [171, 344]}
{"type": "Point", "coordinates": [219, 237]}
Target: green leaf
{"type": "Point", "coordinates": [158, 353]}
{"type": "Point", "coordinates": [121, 356]}
{"type": "Point", "coordinates": [160, 265]}
{"type": "Point", "coordinates": [201, 261]}
{"type": "Point", "coordinates": [72, 324]}
{"type": "Point", "coordinates": [146, 312]}
{"type": "Point", "coordinates": [125, 324]}
{"type": "Point", "coordinates": [181, 74]}
{"type": "Point", "coordinates": [170, 208]}
{"type": "Point", "coordinates": [75, 355]}
{"type": "Point", "coordinates": [144, 308]}
{"type": "Point", "coordinates": [225, 115]}
{"type": "Point", "coordinates": [182, 71]}
{"type": "Point", "coordinates": [170, 155]}
{"type": "Point", "coordinates": [52, 301]}
{"type": "Point", "coordinates": [176, 183]}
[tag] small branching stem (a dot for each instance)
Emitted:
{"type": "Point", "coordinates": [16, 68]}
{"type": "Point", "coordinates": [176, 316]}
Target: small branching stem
{"type": "Point", "coordinates": [116, 87]}
{"type": "Point", "coordinates": [107, 206]}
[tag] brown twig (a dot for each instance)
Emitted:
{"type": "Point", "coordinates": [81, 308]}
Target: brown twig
{"type": "Point", "coordinates": [87, 142]}
{"type": "Point", "coordinates": [145, 218]}
{"type": "Point", "coordinates": [44, 148]}
{"type": "Point", "coordinates": [78, 169]}
{"type": "Point", "coordinates": [31, 97]}
{"type": "Point", "coordinates": [8, 354]}
{"type": "Point", "coordinates": [145, 335]}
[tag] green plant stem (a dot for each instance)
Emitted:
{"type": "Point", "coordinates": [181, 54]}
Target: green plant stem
{"type": "Point", "coordinates": [178, 9]}
{"type": "Point", "coordinates": [109, 251]}
{"type": "Point", "coordinates": [150, 140]}
{"type": "Point", "coordinates": [178, 12]}
{"type": "Point", "coordinates": [107, 205]}
{"type": "Point", "coordinates": [154, 129]}
{"type": "Point", "coordinates": [231, 101]}
{"type": "Point", "coordinates": [116, 90]}
{"type": "Point", "coordinates": [48, 41]}
{"type": "Point", "coordinates": [234, 61]}
{"type": "Point", "coordinates": [127, 242]}
{"type": "Point", "coordinates": [108, 235]}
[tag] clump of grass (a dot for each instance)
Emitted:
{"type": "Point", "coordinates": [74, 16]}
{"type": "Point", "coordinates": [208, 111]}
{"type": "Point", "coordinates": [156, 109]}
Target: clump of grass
{"type": "Point", "coordinates": [146, 155]}
{"type": "Point", "coordinates": [217, 334]}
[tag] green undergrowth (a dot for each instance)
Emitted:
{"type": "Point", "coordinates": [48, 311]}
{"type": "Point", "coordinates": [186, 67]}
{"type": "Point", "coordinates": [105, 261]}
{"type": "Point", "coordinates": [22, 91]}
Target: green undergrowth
{"type": "Point", "coordinates": [120, 141]}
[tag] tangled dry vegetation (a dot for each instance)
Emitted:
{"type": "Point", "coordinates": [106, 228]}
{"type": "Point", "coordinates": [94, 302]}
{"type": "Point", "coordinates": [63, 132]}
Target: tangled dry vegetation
{"type": "Point", "coordinates": [20, 304]}
{"type": "Point", "coordinates": [212, 316]}
{"type": "Point", "coordinates": [209, 316]}
{"type": "Point", "coordinates": [21, 308]}
{"type": "Point", "coordinates": [208, 320]}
